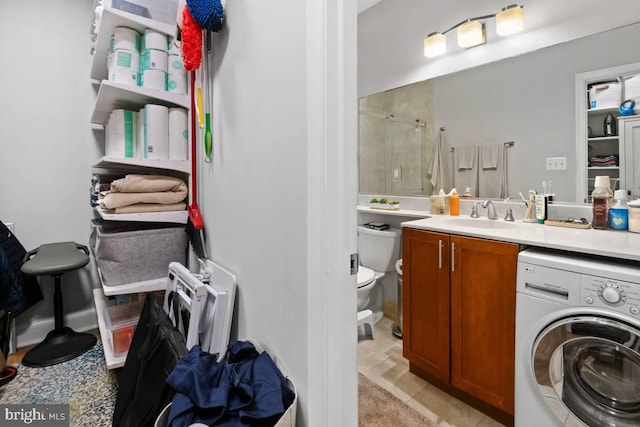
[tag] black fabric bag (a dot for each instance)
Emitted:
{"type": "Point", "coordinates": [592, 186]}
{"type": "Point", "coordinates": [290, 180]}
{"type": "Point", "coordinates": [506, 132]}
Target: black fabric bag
{"type": "Point", "coordinates": [18, 291]}
{"type": "Point", "coordinates": [155, 350]}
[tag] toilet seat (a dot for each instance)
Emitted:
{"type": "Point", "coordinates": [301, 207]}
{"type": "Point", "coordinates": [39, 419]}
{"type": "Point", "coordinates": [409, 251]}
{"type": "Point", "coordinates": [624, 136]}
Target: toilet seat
{"type": "Point", "coordinates": [365, 276]}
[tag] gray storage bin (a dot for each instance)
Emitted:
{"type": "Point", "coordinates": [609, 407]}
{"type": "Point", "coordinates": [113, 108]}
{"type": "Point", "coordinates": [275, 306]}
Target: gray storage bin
{"type": "Point", "coordinates": [136, 252]}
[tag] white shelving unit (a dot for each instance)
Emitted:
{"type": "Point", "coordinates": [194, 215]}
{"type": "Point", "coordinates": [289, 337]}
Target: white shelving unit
{"type": "Point", "coordinates": [183, 166]}
{"type": "Point", "coordinates": [600, 144]}
{"type": "Point", "coordinates": [112, 18]}
{"type": "Point", "coordinates": [110, 96]}
{"type": "Point", "coordinates": [113, 95]}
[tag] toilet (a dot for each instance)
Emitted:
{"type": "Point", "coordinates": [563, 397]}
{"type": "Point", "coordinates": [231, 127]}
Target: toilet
{"type": "Point", "coordinates": [378, 251]}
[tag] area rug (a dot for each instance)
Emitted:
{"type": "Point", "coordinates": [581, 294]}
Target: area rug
{"type": "Point", "coordinates": [379, 408]}
{"type": "Point", "coordinates": [84, 383]}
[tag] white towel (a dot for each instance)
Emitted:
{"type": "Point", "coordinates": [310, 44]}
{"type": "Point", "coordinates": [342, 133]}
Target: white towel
{"type": "Point", "coordinates": [465, 172]}
{"type": "Point", "coordinates": [466, 157]}
{"type": "Point", "coordinates": [489, 156]}
{"type": "Point", "coordinates": [492, 181]}
{"type": "Point", "coordinates": [438, 169]}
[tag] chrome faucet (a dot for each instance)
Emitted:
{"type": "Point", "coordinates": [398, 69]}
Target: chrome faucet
{"type": "Point", "coordinates": [474, 211]}
{"type": "Point", "coordinates": [491, 213]}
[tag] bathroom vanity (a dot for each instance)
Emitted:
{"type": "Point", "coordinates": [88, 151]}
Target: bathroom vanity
{"type": "Point", "coordinates": [459, 305]}
{"type": "Point", "coordinates": [459, 299]}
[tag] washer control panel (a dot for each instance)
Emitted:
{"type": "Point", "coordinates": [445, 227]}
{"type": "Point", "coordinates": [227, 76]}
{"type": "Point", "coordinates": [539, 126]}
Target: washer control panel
{"type": "Point", "coordinates": [614, 294]}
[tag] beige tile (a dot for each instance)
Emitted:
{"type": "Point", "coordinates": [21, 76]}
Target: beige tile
{"type": "Point", "coordinates": [368, 360]}
{"type": "Point", "coordinates": [396, 378]}
{"type": "Point", "coordinates": [448, 408]}
{"type": "Point", "coordinates": [381, 361]}
{"type": "Point", "coordinates": [489, 422]}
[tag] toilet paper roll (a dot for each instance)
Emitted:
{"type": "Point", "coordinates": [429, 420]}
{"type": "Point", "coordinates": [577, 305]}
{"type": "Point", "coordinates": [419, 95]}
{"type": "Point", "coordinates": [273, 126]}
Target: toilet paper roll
{"type": "Point", "coordinates": [140, 124]}
{"type": "Point", "coordinates": [123, 75]}
{"type": "Point", "coordinates": [156, 132]}
{"type": "Point", "coordinates": [154, 40]}
{"type": "Point", "coordinates": [126, 59]}
{"type": "Point", "coordinates": [174, 47]}
{"type": "Point", "coordinates": [177, 83]}
{"type": "Point", "coordinates": [152, 59]}
{"type": "Point", "coordinates": [178, 134]}
{"type": "Point", "coordinates": [122, 134]}
{"type": "Point", "coordinates": [126, 39]}
{"type": "Point", "coordinates": [175, 65]}
{"type": "Point", "coordinates": [153, 79]}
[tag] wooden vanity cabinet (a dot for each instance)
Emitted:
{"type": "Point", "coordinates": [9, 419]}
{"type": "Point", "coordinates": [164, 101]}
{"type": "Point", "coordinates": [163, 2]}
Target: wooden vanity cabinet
{"type": "Point", "coordinates": [459, 312]}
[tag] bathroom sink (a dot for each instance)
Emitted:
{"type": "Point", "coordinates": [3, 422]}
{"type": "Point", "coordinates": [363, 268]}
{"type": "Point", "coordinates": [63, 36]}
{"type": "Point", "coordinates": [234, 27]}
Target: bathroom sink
{"type": "Point", "coordinates": [481, 223]}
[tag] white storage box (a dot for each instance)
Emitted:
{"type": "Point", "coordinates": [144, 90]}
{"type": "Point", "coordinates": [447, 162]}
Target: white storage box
{"type": "Point", "coordinates": [135, 252]}
{"type": "Point", "coordinates": [632, 91]}
{"type": "Point", "coordinates": [605, 95]}
{"type": "Point", "coordinates": [159, 10]}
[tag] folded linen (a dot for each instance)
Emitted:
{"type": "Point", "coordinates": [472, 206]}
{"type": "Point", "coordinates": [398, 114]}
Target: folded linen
{"type": "Point", "coordinates": [150, 207]}
{"type": "Point", "coordinates": [148, 184]}
{"type": "Point", "coordinates": [117, 200]}
{"type": "Point", "coordinates": [489, 156]}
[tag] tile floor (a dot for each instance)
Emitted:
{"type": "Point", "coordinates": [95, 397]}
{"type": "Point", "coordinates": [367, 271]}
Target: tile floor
{"type": "Point", "coordinates": [381, 361]}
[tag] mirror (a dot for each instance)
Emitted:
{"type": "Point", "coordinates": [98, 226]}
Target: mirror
{"type": "Point", "coordinates": [529, 99]}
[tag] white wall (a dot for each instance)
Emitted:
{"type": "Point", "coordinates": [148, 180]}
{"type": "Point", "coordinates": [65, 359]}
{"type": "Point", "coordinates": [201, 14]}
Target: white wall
{"type": "Point", "coordinates": [46, 143]}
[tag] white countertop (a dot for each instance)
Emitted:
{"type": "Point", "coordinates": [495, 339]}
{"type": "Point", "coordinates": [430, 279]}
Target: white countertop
{"type": "Point", "coordinates": [616, 244]}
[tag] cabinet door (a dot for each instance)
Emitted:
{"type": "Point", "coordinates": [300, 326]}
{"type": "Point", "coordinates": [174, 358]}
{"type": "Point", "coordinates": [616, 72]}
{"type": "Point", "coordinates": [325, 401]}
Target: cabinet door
{"type": "Point", "coordinates": [483, 297]}
{"type": "Point", "coordinates": [631, 159]}
{"type": "Point", "coordinates": [425, 301]}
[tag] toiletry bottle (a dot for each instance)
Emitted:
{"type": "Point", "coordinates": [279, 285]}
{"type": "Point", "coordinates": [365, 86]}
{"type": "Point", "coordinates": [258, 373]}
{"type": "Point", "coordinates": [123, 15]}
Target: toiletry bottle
{"type": "Point", "coordinates": [550, 195]}
{"type": "Point", "coordinates": [619, 212]}
{"type": "Point", "coordinates": [454, 203]}
{"type": "Point", "coordinates": [541, 208]}
{"type": "Point", "coordinates": [601, 200]}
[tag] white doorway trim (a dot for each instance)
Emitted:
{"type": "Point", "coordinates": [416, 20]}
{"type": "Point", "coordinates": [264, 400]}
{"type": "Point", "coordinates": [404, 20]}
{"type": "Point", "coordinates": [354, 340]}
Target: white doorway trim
{"type": "Point", "coordinates": [332, 121]}
{"type": "Point", "coordinates": [582, 80]}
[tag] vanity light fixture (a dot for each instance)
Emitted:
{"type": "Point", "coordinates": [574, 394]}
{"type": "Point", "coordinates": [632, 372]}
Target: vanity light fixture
{"type": "Point", "coordinates": [471, 32]}
{"type": "Point", "coordinates": [510, 20]}
{"type": "Point", "coordinates": [435, 44]}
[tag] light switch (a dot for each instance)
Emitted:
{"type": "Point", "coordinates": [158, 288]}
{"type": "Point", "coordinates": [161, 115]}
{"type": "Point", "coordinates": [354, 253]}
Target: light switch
{"type": "Point", "coordinates": [556, 163]}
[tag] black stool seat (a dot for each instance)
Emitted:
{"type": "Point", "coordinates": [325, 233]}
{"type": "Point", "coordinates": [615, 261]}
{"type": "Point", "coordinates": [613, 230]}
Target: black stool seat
{"type": "Point", "coordinates": [61, 344]}
{"type": "Point", "coordinates": [55, 259]}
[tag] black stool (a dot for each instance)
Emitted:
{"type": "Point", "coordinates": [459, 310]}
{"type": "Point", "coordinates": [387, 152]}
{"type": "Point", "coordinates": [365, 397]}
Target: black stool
{"type": "Point", "coordinates": [61, 344]}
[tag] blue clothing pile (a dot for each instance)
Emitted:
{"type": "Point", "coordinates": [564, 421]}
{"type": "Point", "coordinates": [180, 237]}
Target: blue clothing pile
{"type": "Point", "coordinates": [247, 390]}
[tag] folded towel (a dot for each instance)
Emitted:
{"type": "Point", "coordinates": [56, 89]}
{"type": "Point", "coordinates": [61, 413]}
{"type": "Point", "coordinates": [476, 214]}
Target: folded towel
{"type": "Point", "coordinates": [150, 207]}
{"type": "Point", "coordinates": [466, 157]}
{"type": "Point", "coordinates": [117, 200]}
{"type": "Point", "coordinates": [148, 184]}
{"type": "Point", "coordinates": [490, 155]}
{"type": "Point", "coordinates": [439, 166]}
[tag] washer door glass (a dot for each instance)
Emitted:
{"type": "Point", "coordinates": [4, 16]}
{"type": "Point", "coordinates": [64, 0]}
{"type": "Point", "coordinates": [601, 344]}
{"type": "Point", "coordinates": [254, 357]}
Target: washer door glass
{"type": "Point", "coordinates": [588, 369]}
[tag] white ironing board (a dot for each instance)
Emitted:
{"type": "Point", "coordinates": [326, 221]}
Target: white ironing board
{"type": "Point", "coordinates": [210, 305]}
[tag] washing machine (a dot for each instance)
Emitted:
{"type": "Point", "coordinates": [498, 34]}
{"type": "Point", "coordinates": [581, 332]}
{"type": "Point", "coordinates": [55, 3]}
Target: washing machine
{"type": "Point", "coordinates": [577, 341]}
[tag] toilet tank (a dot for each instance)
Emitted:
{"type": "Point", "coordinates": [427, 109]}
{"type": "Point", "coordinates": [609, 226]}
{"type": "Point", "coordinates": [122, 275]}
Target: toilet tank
{"type": "Point", "coordinates": [379, 249]}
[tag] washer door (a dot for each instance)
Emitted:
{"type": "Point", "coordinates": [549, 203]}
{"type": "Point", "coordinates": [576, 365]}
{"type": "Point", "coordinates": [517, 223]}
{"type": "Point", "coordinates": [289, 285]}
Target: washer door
{"type": "Point", "coordinates": [588, 370]}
